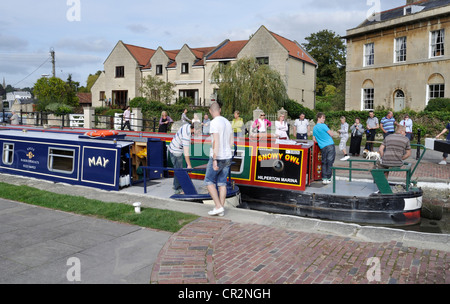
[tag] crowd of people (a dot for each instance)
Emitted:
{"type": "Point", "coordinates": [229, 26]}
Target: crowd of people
{"type": "Point", "coordinates": [394, 148]}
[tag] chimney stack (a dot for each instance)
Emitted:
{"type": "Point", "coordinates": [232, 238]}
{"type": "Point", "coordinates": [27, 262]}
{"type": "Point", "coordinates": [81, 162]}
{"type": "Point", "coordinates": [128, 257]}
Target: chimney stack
{"type": "Point", "coordinates": [410, 2]}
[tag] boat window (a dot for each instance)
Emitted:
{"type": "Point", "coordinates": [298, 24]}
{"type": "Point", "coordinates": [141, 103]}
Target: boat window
{"type": "Point", "coordinates": [238, 162]}
{"type": "Point", "coordinates": [8, 153]}
{"type": "Point", "coordinates": [61, 160]}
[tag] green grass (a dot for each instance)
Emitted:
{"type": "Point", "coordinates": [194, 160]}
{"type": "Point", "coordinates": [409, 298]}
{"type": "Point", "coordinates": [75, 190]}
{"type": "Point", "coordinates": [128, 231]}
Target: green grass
{"type": "Point", "coordinates": [166, 220]}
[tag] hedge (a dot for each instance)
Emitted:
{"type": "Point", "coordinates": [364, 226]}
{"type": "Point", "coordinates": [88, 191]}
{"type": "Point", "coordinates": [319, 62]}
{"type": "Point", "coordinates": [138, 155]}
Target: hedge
{"type": "Point", "coordinates": [430, 123]}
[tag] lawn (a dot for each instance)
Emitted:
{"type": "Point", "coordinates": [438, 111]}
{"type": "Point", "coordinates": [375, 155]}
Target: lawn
{"type": "Point", "coordinates": [166, 220]}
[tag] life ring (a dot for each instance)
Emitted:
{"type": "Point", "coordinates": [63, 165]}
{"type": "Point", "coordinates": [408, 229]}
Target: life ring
{"type": "Point", "coordinates": [102, 133]}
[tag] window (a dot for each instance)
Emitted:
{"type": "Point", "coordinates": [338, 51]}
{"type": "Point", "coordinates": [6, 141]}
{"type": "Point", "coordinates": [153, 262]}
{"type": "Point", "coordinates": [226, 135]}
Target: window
{"type": "Point", "coordinates": [185, 68]}
{"type": "Point", "coordinates": [303, 67]}
{"type": "Point", "coordinates": [120, 71]}
{"type": "Point", "coordinates": [102, 95]}
{"type": "Point", "coordinates": [222, 66]}
{"type": "Point", "coordinates": [61, 160]}
{"type": "Point", "coordinates": [437, 43]}
{"type": "Point", "coordinates": [368, 97]}
{"type": "Point", "coordinates": [262, 60]}
{"type": "Point", "coordinates": [159, 69]}
{"type": "Point", "coordinates": [369, 54]}
{"type": "Point", "coordinates": [436, 91]}
{"type": "Point", "coordinates": [400, 49]}
{"type": "Point", "coordinates": [8, 153]}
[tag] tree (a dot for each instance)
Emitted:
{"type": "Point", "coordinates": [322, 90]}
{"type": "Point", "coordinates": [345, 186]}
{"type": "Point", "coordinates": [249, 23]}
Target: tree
{"type": "Point", "coordinates": [55, 90]}
{"type": "Point", "coordinates": [245, 85]}
{"type": "Point", "coordinates": [71, 92]}
{"type": "Point", "coordinates": [157, 89]}
{"type": "Point", "coordinates": [329, 51]}
{"type": "Point", "coordinates": [89, 82]}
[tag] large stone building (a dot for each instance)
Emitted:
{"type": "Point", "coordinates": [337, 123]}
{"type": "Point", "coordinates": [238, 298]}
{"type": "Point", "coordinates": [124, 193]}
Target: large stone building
{"type": "Point", "coordinates": [190, 69]}
{"type": "Point", "coordinates": [399, 58]}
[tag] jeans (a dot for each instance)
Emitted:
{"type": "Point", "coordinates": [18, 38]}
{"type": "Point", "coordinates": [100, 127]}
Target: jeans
{"type": "Point", "coordinates": [302, 136]}
{"type": "Point", "coordinates": [328, 156]}
{"type": "Point", "coordinates": [177, 162]}
{"type": "Point", "coordinates": [387, 134]}
{"type": "Point", "coordinates": [445, 155]}
{"type": "Point", "coordinates": [220, 176]}
{"type": "Point", "coordinates": [370, 137]}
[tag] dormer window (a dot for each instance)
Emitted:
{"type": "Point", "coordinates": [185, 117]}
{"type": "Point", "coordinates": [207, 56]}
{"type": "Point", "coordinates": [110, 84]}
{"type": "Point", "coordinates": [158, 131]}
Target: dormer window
{"type": "Point", "coordinates": [185, 68]}
{"type": "Point", "coordinates": [159, 69]}
{"type": "Point", "coordinates": [412, 9]}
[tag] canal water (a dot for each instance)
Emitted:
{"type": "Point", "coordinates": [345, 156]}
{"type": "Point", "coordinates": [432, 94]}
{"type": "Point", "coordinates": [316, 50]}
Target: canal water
{"type": "Point", "coordinates": [435, 219]}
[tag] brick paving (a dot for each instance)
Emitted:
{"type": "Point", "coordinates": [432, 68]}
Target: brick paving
{"type": "Point", "coordinates": [215, 250]}
{"type": "Point", "coordinates": [218, 251]}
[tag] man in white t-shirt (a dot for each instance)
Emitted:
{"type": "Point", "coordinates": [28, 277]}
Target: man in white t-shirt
{"type": "Point", "coordinates": [301, 127]}
{"type": "Point", "coordinates": [219, 158]}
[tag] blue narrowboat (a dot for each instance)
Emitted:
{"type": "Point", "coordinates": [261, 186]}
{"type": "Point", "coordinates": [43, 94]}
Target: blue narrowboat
{"type": "Point", "coordinates": [70, 158]}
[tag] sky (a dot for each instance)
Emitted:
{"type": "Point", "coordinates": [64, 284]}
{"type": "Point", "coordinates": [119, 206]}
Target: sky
{"type": "Point", "coordinates": [84, 32]}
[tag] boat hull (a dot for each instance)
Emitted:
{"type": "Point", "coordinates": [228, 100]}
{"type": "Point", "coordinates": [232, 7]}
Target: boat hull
{"type": "Point", "coordinates": [400, 209]}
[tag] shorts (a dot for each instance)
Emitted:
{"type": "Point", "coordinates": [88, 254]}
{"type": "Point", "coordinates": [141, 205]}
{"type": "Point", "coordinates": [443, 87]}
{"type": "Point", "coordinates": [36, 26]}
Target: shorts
{"type": "Point", "coordinates": [220, 176]}
{"type": "Point", "coordinates": [343, 143]}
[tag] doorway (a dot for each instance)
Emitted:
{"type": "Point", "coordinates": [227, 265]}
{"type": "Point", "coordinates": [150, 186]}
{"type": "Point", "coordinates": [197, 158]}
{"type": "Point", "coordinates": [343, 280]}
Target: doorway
{"type": "Point", "coordinates": [120, 98]}
{"type": "Point", "coordinates": [399, 100]}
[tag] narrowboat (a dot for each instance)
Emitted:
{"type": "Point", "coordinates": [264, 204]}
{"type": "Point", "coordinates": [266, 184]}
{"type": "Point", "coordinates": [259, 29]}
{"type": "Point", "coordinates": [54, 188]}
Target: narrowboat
{"type": "Point", "coordinates": [284, 177]}
{"type": "Point", "coordinates": [69, 158]}
{"type": "Point", "coordinates": [97, 158]}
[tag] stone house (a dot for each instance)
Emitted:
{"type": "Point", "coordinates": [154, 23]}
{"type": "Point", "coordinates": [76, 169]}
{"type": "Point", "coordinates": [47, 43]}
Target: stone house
{"type": "Point", "coordinates": [399, 58]}
{"type": "Point", "coordinates": [190, 69]}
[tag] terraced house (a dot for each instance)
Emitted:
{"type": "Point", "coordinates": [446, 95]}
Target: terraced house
{"type": "Point", "coordinates": [400, 58]}
{"type": "Point", "coordinates": [190, 69]}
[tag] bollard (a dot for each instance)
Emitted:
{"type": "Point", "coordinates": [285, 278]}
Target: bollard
{"type": "Point", "coordinates": [418, 142]}
{"type": "Point", "coordinates": [137, 207]}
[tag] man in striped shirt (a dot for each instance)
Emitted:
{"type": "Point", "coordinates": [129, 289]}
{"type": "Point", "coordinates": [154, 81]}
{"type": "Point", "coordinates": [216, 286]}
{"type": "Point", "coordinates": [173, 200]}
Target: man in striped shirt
{"type": "Point", "coordinates": [395, 149]}
{"type": "Point", "coordinates": [387, 124]}
{"type": "Point", "coordinates": [180, 145]}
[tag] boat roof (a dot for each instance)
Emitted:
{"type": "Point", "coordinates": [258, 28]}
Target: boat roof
{"type": "Point", "coordinates": [62, 136]}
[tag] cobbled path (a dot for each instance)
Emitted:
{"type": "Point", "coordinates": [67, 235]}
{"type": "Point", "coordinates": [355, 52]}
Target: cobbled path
{"type": "Point", "coordinates": [212, 250]}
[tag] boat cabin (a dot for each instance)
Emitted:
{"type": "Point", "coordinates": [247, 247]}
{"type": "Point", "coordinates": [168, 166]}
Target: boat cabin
{"type": "Point", "coordinates": [70, 158]}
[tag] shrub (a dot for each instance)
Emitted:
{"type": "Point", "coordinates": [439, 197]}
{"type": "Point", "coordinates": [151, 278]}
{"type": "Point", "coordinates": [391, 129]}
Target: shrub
{"type": "Point", "coordinates": [438, 104]}
{"type": "Point", "coordinates": [295, 109]}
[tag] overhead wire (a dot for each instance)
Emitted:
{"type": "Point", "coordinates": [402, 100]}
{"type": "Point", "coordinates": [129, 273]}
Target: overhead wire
{"type": "Point", "coordinates": [33, 71]}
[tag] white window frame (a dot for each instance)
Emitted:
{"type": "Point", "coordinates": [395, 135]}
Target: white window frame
{"type": "Point", "coordinates": [400, 49]}
{"type": "Point", "coordinates": [430, 91]}
{"type": "Point", "coordinates": [52, 156]}
{"type": "Point", "coordinates": [369, 54]}
{"type": "Point", "coordinates": [434, 43]}
{"type": "Point", "coordinates": [363, 99]}
{"type": "Point", "coordinates": [8, 153]}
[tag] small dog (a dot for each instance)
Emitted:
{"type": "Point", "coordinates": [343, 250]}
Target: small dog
{"type": "Point", "coordinates": [364, 154]}
{"type": "Point", "coordinates": [375, 155]}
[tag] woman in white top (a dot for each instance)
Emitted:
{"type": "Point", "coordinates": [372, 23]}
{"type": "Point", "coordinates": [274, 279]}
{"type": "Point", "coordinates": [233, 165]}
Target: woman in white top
{"type": "Point", "coordinates": [281, 128]}
{"type": "Point", "coordinates": [407, 122]}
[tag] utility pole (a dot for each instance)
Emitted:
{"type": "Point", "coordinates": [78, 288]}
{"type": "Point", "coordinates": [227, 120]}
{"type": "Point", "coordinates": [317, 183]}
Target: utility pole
{"type": "Point", "coordinates": [52, 52]}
